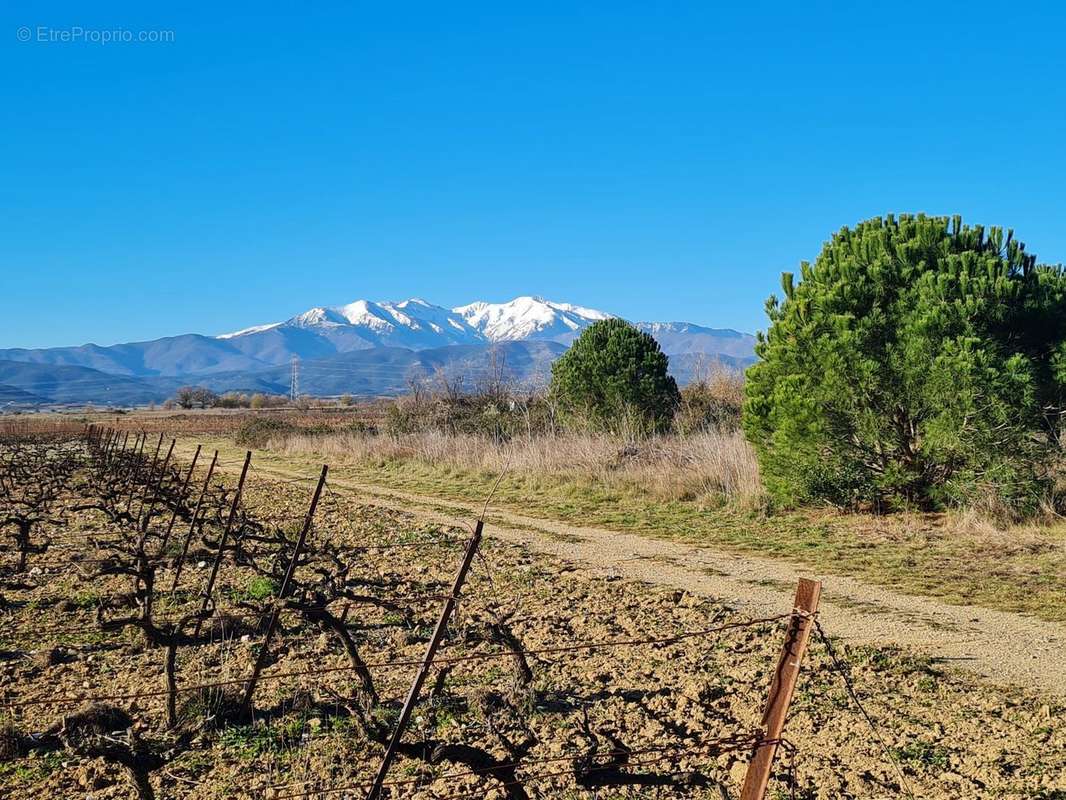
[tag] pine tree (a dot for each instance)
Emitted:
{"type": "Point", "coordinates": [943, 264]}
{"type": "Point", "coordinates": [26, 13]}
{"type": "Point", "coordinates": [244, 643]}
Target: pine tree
{"type": "Point", "coordinates": [918, 361]}
{"type": "Point", "coordinates": [615, 378]}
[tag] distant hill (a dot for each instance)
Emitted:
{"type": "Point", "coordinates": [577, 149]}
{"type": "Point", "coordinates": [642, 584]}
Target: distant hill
{"type": "Point", "coordinates": [63, 384]}
{"type": "Point", "coordinates": [384, 371]}
{"type": "Point", "coordinates": [190, 354]}
{"type": "Point", "coordinates": [13, 396]}
{"type": "Point", "coordinates": [676, 338]}
{"type": "Point", "coordinates": [363, 348]}
{"type": "Point", "coordinates": [689, 367]}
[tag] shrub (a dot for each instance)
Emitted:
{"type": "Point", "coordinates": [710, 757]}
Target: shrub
{"type": "Point", "coordinates": [257, 431]}
{"type": "Point", "coordinates": [232, 400]}
{"type": "Point", "coordinates": [713, 403]}
{"type": "Point", "coordinates": [260, 400]}
{"type": "Point", "coordinates": [191, 396]}
{"type": "Point", "coordinates": [918, 361]}
{"type": "Point", "coordinates": [493, 415]}
{"type": "Point", "coordinates": [615, 378]}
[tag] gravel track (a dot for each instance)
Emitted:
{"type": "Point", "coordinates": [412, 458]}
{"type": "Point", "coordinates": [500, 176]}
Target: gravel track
{"type": "Point", "coordinates": [1000, 647]}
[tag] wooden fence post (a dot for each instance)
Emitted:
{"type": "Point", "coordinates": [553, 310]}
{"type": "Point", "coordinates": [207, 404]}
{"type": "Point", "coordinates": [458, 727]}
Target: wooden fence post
{"type": "Point", "coordinates": [427, 663]}
{"type": "Point", "coordinates": [782, 687]}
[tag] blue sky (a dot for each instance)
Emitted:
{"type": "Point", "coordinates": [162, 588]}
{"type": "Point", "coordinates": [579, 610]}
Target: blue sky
{"type": "Point", "coordinates": [662, 162]}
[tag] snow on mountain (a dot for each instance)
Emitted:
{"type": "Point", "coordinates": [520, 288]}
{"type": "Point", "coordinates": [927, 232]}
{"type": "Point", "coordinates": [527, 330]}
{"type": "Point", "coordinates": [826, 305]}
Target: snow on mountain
{"type": "Point", "coordinates": [253, 329]}
{"type": "Point", "coordinates": [529, 318]}
{"type": "Point", "coordinates": [417, 324]}
{"type": "Point", "coordinates": [317, 318]}
{"type": "Point", "coordinates": [412, 323]}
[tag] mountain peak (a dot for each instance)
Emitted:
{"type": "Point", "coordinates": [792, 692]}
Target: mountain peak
{"type": "Point", "coordinates": [419, 324]}
{"type": "Point", "coordinates": [529, 317]}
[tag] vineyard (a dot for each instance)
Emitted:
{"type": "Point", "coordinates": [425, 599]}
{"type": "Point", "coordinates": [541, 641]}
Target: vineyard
{"type": "Point", "coordinates": [195, 630]}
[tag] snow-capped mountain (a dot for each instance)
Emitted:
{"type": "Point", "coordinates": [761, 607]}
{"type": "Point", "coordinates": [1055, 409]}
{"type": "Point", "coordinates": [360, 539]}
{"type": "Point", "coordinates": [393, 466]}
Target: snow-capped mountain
{"type": "Point", "coordinates": [417, 324]}
{"type": "Point", "coordinates": [529, 318]}
{"type": "Point", "coordinates": [362, 347]}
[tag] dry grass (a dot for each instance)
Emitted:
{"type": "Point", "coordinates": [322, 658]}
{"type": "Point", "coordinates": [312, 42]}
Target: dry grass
{"type": "Point", "coordinates": [959, 558]}
{"type": "Point", "coordinates": [703, 466]}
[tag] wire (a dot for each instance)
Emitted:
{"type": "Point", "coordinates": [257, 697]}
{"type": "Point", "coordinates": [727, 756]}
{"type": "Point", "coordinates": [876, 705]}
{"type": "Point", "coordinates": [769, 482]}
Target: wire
{"type": "Point", "coordinates": [845, 673]}
{"type": "Point", "coordinates": [470, 657]}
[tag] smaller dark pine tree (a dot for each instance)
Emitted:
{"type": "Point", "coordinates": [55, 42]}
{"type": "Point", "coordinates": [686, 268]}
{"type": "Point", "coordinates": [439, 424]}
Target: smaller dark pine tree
{"type": "Point", "coordinates": [615, 378]}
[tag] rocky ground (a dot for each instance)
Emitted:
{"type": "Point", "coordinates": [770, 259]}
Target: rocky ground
{"type": "Point", "coordinates": [669, 705]}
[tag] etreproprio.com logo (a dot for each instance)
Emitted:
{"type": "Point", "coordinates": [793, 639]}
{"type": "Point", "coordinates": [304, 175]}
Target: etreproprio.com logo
{"type": "Point", "coordinates": [76, 34]}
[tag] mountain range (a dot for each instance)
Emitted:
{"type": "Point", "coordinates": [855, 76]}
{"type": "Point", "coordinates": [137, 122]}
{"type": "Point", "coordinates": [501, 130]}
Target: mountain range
{"type": "Point", "coordinates": [362, 348]}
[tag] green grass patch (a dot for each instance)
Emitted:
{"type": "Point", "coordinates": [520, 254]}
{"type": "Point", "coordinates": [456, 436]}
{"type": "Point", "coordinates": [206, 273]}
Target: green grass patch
{"type": "Point", "coordinates": [86, 599]}
{"type": "Point", "coordinates": [259, 588]}
{"type": "Point", "coordinates": [925, 755]}
{"type": "Point", "coordinates": [28, 771]}
{"type": "Point", "coordinates": [250, 742]}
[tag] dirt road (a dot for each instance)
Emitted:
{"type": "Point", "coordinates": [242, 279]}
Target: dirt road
{"type": "Point", "coordinates": [999, 646]}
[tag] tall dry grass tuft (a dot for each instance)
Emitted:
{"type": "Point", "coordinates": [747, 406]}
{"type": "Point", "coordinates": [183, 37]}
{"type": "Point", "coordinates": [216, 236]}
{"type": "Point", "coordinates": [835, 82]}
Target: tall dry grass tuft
{"type": "Point", "coordinates": [710, 466]}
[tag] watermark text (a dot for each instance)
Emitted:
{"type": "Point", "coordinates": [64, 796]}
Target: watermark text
{"type": "Point", "coordinates": [76, 34]}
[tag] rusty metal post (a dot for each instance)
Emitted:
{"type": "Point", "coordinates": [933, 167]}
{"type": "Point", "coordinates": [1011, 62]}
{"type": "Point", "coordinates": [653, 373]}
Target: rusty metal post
{"type": "Point", "coordinates": [109, 446]}
{"type": "Point", "coordinates": [122, 476]}
{"type": "Point", "coordinates": [138, 452]}
{"type": "Point", "coordinates": [283, 591]}
{"type": "Point", "coordinates": [427, 663]}
{"type": "Point", "coordinates": [125, 439]}
{"type": "Point", "coordinates": [155, 496]}
{"type": "Point", "coordinates": [782, 688]}
{"type": "Point", "coordinates": [192, 524]}
{"type": "Point", "coordinates": [147, 481]}
{"type": "Point", "coordinates": [210, 587]}
{"type": "Point", "coordinates": [177, 505]}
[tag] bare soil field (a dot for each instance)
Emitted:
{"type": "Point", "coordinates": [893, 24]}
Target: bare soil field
{"type": "Point", "coordinates": [998, 644]}
{"type": "Point", "coordinates": [493, 723]}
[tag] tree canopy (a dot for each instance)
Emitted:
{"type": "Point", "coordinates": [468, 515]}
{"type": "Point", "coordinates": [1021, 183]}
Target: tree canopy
{"type": "Point", "coordinates": [918, 361]}
{"type": "Point", "coordinates": [615, 378]}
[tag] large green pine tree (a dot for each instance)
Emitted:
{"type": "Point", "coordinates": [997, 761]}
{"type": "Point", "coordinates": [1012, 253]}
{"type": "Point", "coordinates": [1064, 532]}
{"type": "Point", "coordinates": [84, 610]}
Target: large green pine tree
{"type": "Point", "coordinates": [918, 361]}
